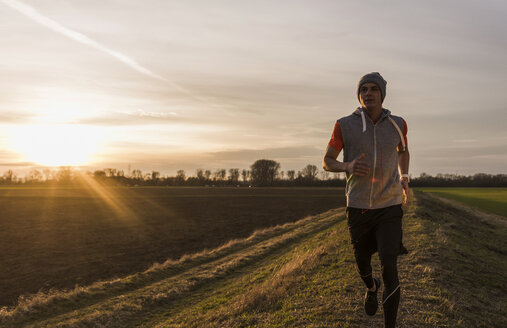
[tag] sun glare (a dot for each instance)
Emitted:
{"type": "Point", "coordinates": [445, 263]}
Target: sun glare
{"type": "Point", "coordinates": [56, 144]}
{"type": "Point", "coordinates": [53, 135]}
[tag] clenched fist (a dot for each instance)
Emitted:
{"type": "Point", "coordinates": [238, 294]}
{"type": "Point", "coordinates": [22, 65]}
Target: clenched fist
{"type": "Point", "coordinates": [358, 167]}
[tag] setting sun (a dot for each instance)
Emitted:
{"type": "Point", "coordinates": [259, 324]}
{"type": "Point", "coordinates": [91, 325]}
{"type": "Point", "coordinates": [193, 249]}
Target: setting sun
{"type": "Point", "coordinates": [56, 144]}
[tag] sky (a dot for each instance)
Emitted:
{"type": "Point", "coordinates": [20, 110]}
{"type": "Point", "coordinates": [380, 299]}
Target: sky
{"type": "Point", "coordinates": [169, 85]}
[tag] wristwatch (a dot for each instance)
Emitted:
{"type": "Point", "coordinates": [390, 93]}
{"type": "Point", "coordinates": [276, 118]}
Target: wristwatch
{"type": "Point", "coordinates": [406, 176]}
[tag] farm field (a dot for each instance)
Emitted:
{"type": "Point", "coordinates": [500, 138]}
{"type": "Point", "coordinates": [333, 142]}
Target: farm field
{"type": "Point", "coordinates": [57, 237]}
{"type": "Point", "coordinates": [301, 274]}
{"type": "Point", "coordinates": [493, 200]}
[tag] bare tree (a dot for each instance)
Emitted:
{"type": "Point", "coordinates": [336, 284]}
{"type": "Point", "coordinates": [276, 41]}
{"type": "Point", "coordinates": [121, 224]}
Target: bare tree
{"type": "Point", "coordinates": [155, 175]}
{"type": "Point", "coordinates": [181, 176]}
{"type": "Point", "coordinates": [264, 172]}
{"type": "Point", "coordinates": [234, 175]}
{"type": "Point", "coordinates": [219, 174]}
{"type": "Point", "coordinates": [309, 172]}
{"type": "Point", "coordinates": [207, 174]}
{"type": "Point", "coordinates": [33, 175]}
{"type": "Point", "coordinates": [245, 174]}
{"type": "Point", "coordinates": [137, 174]}
{"type": "Point", "coordinates": [291, 175]}
{"type": "Point", "coordinates": [9, 176]}
{"type": "Point", "coordinates": [199, 173]}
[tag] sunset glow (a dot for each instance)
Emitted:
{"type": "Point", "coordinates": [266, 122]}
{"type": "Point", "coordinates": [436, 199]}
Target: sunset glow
{"type": "Point", "coordinates": [171, 86]}
{"type": "Point", "coordinates": [56, 144]}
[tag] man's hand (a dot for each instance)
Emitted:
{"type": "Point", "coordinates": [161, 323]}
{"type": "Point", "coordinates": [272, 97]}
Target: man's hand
{"type": "Point", "coordinates": [406, 190]}
{"type": "Point", "coordinates": [358, 167]}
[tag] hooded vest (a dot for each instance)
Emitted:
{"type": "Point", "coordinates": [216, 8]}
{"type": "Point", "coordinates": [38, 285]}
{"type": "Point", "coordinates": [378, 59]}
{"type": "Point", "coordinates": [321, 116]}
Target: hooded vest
{"type": "Point", "coordinates": [381, 187]}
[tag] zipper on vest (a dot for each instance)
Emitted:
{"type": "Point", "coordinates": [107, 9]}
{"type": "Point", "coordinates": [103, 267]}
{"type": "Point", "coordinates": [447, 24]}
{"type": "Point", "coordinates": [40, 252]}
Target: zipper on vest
{"type": "Point", "coordinates": [374, 162]}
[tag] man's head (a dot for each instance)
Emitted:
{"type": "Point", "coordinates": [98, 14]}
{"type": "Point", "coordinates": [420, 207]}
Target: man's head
{"type": "Point", "coordinates": [368, 87]}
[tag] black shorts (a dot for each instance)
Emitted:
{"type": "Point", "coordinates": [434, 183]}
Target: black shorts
{"type": "Point", "coordinates": [376, 230]}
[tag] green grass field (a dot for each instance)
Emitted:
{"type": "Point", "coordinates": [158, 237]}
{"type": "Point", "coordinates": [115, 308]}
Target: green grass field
{"type": "Point", "coordinates": [492, 200]}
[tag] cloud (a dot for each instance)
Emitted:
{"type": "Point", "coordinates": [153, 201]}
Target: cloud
{"type": "Point", "coordinates": [36, 16]}
{"type": "Point", "coordinates": [9, 117]}
{"type": "Point", "coordinates": [18, 164]}
{"type": "Point", "coordinates": [33, 14]}
{"type": "Point", "coordinates": [139, 117]}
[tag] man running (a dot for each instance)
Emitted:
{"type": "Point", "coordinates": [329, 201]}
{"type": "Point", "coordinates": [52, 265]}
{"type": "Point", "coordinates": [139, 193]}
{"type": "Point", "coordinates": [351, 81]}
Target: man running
{"type": "Point", "coordinates": [375, 159]}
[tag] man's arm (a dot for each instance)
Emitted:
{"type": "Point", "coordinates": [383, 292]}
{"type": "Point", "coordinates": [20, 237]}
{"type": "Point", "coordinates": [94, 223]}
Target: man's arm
{"type": "Point", "coordinates": [403, 163]}
{"type": "Point", "coordinates": [331, 164]}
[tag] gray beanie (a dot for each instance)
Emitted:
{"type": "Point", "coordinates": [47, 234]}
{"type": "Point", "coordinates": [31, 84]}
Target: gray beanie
{"type": "Point", "coordinates": [376, 78]}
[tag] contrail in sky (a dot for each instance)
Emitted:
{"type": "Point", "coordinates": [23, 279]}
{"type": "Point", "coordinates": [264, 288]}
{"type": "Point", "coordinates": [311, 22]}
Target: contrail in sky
{"type": "Point", "coordinates": [33, 14]}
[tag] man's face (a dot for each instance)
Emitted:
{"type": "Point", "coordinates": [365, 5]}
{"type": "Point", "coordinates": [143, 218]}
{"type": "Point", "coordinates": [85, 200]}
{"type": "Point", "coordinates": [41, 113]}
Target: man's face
{"type": "Point", "coordinates": [370, 95]}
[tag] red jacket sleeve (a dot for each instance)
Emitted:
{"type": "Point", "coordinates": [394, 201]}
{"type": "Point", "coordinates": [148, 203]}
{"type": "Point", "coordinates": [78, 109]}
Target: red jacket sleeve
{"type": "Point", "coordinates": [336, 138]}
{"type": "Point", "coordinates": [404, 135]}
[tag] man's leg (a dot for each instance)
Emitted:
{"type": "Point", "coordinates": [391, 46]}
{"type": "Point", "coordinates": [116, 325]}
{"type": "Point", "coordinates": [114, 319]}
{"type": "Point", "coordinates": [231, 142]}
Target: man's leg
{"type": "Point", "coordinates": [363, 252]}
{"type": "Point", "coordinates": [362, 233]}
{"type": "Point", "coordinates": [391, 295]}
{"type": "Point", "coordinates": [363, 239]}
{"type": "Point", "coordinates": [363, 261]}
{"type": "Point", "coordinates": [389, 240]}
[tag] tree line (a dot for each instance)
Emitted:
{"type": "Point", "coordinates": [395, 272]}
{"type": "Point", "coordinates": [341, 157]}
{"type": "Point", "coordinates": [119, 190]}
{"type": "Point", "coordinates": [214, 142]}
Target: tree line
{"type": "Point", "coordinates": [263, 172]}
{"type": "Point", "coordinates": [455, 180]}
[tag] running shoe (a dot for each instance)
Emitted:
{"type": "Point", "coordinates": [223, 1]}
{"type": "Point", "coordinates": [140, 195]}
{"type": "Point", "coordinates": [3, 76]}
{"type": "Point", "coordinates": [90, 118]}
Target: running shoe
{"type": "Point", "coordinates": [370, 299]}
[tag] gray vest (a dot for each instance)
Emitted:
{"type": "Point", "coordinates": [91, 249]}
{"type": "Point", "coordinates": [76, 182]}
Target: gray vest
{"type": "Point", "coordinates": [381, 187]}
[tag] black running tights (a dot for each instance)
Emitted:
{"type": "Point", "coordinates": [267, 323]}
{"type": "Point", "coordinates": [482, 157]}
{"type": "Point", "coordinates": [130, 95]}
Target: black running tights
{"type": "Point", "coordinates": [391, 295]}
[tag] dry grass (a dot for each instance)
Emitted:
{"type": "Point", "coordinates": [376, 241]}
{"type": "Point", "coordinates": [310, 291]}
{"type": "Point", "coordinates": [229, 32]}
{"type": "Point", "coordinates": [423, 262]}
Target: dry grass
{"type": "Point", "coordinates": [113, 303]}
{"type": "Point", "coordinates": [265, 296]}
